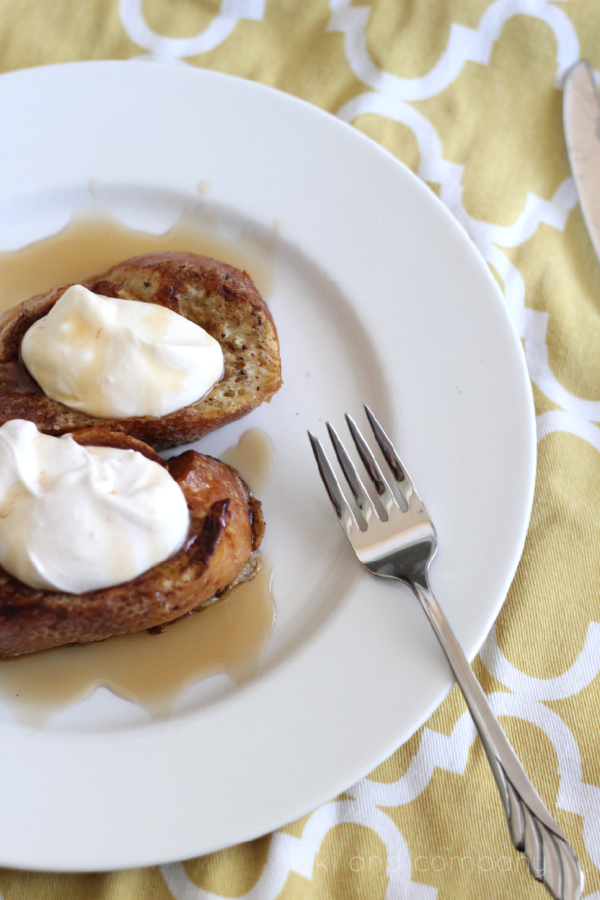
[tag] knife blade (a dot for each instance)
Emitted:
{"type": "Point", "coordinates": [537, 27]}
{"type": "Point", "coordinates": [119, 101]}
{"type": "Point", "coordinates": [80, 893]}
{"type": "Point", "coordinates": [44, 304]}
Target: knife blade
{"type": "Point", "coordinates": [581, 122]}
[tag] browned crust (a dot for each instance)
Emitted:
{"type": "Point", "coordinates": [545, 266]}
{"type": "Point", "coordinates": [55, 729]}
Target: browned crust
{"type": "Point", "coordinates": [214, 295]}
{"type": "Point", "coordinates": [226, 527]}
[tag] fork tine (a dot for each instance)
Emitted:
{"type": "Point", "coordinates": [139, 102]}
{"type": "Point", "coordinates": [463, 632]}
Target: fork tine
{"type": "Point", "coordinates": [375, 474]}
{"type": "Point", "coordinates": [401, 476]}
{"type": "Point", "coordinates": [334, 492]}
{"type": "Point", "coordinates": [363, 501]}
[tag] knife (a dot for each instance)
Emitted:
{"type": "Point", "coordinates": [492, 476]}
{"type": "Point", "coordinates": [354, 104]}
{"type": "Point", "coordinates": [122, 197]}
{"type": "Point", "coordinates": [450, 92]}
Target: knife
{"type": "Point", "coordinates": [581, 122]}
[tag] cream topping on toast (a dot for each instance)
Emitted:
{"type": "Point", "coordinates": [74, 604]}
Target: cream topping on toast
{"type": "Point", "coordinates": [78, 519]}
{"type": "Point", "coordinates": [115, 358]}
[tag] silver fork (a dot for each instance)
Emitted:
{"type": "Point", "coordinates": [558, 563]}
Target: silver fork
{"type": "Point", "coordinates": [402, 547]}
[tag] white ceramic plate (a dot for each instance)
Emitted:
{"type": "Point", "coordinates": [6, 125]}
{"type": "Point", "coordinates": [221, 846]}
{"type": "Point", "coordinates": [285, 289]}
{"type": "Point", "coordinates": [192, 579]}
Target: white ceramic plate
{"type": "Point", "coordinates": [379, 297]}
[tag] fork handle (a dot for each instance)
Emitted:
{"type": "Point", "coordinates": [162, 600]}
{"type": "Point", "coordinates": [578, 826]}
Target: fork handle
{"type": "Point", "coordinates": [532, 828]}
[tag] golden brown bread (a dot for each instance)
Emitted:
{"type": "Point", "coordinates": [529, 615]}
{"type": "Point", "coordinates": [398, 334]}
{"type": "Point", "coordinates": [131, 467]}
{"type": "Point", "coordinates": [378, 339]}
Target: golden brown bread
{"type": "Point", "coordinates": [214, 295]}
{"type": "Point", "coordinates": [226, 528]}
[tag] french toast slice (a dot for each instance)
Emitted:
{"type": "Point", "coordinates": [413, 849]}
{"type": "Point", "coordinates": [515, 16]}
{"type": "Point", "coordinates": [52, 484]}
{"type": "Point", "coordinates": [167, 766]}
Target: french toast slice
{"type": "Point", "coordinates": [221, 550]}
{"type": "Point", "coordinates": [218, 297]}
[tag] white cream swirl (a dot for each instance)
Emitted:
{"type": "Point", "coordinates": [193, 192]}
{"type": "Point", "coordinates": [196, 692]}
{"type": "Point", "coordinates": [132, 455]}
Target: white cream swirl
{"type": "Point", "coordinates": [114, 358]}
{"type": "Point", "coordinates": [78, 519]}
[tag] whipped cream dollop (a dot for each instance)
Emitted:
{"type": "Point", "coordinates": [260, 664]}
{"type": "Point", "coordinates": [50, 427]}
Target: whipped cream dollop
{"type": "Point", "coordinates": [79, 519]}
{"type": "Point", "coordinates": [114, 358]}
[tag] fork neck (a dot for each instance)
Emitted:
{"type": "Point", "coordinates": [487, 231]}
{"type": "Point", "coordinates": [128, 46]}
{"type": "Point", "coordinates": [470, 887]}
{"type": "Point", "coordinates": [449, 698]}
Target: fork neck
{"type": "Point", "coordinates": [419, 582]}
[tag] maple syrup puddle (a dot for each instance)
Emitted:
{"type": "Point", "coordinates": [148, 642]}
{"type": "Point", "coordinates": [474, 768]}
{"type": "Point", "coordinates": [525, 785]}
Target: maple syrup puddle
{"type": "Point", "coordinates": [228, 636]}
{"type": "Point", "coordinates": [253, 457]}
{"type": "Point", "coordinates": [93, 241]}
{"type": "Point", "coordinates": [152, 670]}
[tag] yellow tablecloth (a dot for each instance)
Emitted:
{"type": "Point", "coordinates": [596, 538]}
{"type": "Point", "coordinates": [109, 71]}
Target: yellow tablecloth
{"type": "Point", "coordinates": [468, 94]}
